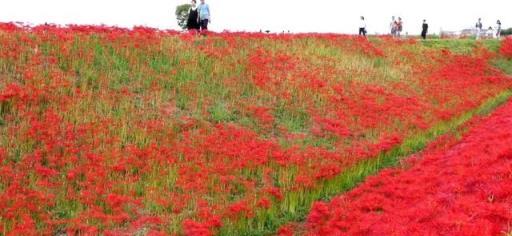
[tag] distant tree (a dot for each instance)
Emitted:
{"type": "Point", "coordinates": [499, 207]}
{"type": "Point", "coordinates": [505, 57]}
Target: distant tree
{"type": "Point", "coordinates": [182, 15]}
{"type": "Point", "coordinates": [506, 32]}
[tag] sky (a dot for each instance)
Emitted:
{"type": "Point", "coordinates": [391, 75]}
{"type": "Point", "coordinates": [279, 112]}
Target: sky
{"type": "Point", "coordinates": [338, 16]}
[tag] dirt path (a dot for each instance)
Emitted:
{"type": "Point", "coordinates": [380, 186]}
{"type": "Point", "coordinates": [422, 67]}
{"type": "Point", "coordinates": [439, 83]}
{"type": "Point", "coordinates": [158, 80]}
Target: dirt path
{"type": "Point", "coordinates": [463, 189]}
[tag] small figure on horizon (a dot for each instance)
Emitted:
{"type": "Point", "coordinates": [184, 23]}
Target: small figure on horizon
{"type": "Point", "coordinates": [498, 29]}
{"type": "Point", "coordinates": [478, 27]}
{"type": "Point", "coordinates": [399, 26]}
{"type": "Point", "coordinates": [362, 27]}
{"type": "Point", "coordinates": [424, 30]}
{"type": "Point", "coordinates": [204, 15]}
{"type": "Point", "coordinates": [392, 26]}
{"type": "Point", "coordinates": [490, 32]}
{"type": "Point", "coordinates": [193, 17]}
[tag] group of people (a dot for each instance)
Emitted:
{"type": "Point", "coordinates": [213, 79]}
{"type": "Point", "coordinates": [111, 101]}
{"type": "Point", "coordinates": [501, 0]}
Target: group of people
{"type": "Point", "coordinates": [198, 16]}
{"type": "Point", "coordinates": [396, 27]}
{"type": "Point", "coordinates": [479, 29]}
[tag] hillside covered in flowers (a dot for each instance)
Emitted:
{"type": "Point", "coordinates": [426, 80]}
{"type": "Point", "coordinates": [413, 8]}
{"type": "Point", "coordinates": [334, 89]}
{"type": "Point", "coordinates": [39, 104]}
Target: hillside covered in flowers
{"type": "Point", "coordinates": [113, 131]}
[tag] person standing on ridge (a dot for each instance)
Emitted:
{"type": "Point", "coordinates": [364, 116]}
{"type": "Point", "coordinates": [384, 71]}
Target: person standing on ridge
{"type": "Point", "coordinates": [424, 30]}
{"type": "Point", "coordinates": [193, 17]}
{"type": "Point", "coordinates": [478, 27]}
{"type": "Point", "coordinates": [362, 27]}
{"type": "Point", "coordinates": [392, 26]}
{"type": "Point", "coordinates": [498, 29]}
{"type": "Point", "coordinates": [204, 15]}
{"type": "Point", "coordinates": [399, 27]}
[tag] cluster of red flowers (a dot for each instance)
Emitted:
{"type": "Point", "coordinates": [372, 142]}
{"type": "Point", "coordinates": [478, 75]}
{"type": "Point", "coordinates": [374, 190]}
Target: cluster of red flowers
{"type": "Point", "coordinates": [115, 131]}
{"type": "Point", "coordinates": [506, 47]}
{"type": "Point", "coordinates": [463, 189]}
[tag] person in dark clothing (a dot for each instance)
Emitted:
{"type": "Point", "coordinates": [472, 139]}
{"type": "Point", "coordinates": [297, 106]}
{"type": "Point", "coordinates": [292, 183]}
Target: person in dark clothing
{"type": "Point", "coordinates": [424, 30]}
{"type": "Point", "coordinates": [193, 17]}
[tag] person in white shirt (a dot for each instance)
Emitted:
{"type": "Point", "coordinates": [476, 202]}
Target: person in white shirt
{"type": "Point", "coordinates": [490, 32]}
{"type": "Point", "coordinates": [478, 27]}
{"type": "Point", "coordinates": [362, 27]}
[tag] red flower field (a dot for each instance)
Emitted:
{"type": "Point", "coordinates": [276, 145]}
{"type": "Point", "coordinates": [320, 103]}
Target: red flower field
{"type": "Point", "coordinates": [506, 48]}
{"type": "Point", "coordinates": [112, 131]}
{"type": "Point", "coordinates": [459, 189]}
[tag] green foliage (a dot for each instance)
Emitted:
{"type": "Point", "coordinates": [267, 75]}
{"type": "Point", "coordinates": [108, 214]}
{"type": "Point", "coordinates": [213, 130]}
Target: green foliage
{"type": "Point", "coordinates": [506, 32]}
{"type": "Point", "coordinates": [219, 113]}
{"type": "Point", "coordinates": [293, 120]}
{"type": "Point", "coordinates": [492, 44]}
{"type": "Point", "coordinates": [462, 46]}
{"type": "Point", "coordinates": [182, 14]}
{"type": "Point", "coordinates": [504, 64]}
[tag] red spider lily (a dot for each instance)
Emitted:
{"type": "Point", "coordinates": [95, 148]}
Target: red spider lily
{"type": "Point", "coordinates": [506, 48]}
{"type": "Point", "coordinates": [264, 203]}
{"type": "Point", "coordinates": [263, 115]}
{"type": "Point", "coordinates": [462, 189]}
{"type": "Point", "coordinates": [285, 230]}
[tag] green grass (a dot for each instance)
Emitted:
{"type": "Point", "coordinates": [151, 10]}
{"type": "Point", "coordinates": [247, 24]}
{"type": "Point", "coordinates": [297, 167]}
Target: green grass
{"type": "Point", "coordinates": [461, 46]}
{"type": "Point", "coordinates": [504, 64]}
{"type": "Point", "coordinates": [219, 113]}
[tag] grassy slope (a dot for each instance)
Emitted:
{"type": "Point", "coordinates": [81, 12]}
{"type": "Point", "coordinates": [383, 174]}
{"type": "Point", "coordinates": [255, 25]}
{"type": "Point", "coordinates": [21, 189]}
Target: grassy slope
{"type": "Point", "coordinates": [132, 88]}
{"type": "Point", "coordinates": [267, 222]}
{"type": "Point", "coordinates": [466, 46]}
{"type": "Point", "coordinates": [358, 173]}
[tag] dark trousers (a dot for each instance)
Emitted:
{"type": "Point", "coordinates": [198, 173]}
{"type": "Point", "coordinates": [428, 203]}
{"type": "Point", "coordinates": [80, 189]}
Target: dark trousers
{"type": "Point", "coordinates": [362, 31]}
{"type": "Point", "coordinates": [424, 35]}
{"type": "Point", "coordinates": [204, 24]}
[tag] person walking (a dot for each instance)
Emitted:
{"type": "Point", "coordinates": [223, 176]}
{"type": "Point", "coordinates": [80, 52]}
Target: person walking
{"type": "Point", "coordinates": [478, 27]}
{"type": "Point", "coordinates": [392, 26]}
{"type": "Point", "coordinates": [204, 15]}
{"type": "Point", "coordinates": [362, 27]}
{"type": "Point", "coordinates": [498, 29]}
{"type": "Point", "coordinates": [193, 17]}
{"type": "Point", "coordinates": [424, 30]}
